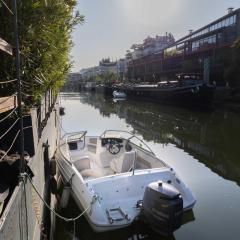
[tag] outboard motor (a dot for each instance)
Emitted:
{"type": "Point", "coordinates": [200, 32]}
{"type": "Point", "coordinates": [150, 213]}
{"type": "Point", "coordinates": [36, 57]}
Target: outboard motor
{"type": "Point", "coordinates": [162, 207]}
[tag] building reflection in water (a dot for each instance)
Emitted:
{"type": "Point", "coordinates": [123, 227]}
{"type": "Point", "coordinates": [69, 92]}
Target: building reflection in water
{"type": "Point", "coordinates": [210, 137]}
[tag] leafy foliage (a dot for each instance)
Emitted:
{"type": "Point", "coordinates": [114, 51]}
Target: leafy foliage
{"type": "Point", "coordinates": [45, 28]}
{"type": "Point", "coordinates": [106, 77]}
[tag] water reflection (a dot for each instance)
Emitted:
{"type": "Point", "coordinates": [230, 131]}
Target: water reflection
{"type": "Point", "coordinates": [137, 231]}
{"type": "Point", "coordinates": [212, 138]}
{"type": "Point", "coordinates": [196, 144]}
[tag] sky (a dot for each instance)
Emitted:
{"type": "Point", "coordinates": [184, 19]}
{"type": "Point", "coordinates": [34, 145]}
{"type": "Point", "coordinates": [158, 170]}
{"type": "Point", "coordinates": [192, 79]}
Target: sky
{"type": "Point", "coordinates": [112, 26]}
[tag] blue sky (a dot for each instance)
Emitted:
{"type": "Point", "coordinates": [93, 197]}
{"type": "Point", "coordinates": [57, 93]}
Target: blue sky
{"type": "Point", "coordinates": [112, 26]}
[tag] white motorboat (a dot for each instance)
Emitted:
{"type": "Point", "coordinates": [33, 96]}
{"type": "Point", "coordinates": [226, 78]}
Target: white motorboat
{"type": "Point", "coordinates": [119, 94]}
{"type": "Point", "coordinates": [121, 179]}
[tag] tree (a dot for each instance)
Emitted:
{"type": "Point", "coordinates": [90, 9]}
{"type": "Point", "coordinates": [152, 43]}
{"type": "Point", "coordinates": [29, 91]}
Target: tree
{"type": "Point", "coordinates": [106, 77]}
{"type": "Point", "coordinates": [109, 76]}
{"type": "Point", "coordinates": [128, 55]}
{"type": "Point", "coordinates": [45, 28]}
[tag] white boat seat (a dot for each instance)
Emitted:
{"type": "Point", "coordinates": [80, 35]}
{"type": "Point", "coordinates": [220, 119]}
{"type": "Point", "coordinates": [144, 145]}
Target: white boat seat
{"type": "Point", "coordinates": [91, 173]}
{"type": "Point", "coordinates": [82, 163]}
{"type": "Point", "coordinates": [123, 163]}
{"type": "Point", "coordinates": [77, 157]}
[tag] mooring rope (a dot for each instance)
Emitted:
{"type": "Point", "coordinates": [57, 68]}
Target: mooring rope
{"type": "Point", "coordinates": [94, 199]}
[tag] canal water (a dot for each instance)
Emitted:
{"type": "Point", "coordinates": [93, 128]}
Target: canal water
{"type": "Point", "coordinates": [203, 148]}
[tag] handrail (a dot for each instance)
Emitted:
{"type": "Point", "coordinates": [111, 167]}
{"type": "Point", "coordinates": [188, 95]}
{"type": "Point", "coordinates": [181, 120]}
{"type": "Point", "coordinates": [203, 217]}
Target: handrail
{"type": "Point", "coordinates": [67, 135]}
{"type": "Point", "coordinates": [132, 136]}
{"type": "Point", "coordinates": [71, 134]}
{"type": "Point", "coordinates": [134, 162]}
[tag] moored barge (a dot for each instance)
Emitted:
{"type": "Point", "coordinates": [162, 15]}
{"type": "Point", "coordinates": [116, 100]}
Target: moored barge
{"type": "Point", "coordinates": [187, 89]}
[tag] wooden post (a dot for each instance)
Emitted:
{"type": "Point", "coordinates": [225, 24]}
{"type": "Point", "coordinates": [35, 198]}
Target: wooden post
{"type": "Point", "coordinates": [18, 70]}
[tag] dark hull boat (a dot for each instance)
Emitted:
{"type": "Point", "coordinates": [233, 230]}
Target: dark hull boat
{"type": "Point", "coordinates": [190, 92]}
{"type": "Point", "coordinates": [192, 95]}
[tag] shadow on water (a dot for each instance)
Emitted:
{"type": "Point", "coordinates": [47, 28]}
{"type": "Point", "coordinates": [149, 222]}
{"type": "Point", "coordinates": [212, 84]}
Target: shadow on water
{"type": "Point", "coordinates": [210, 137]}
{"type": "Point", "coordinates": [136, 231]}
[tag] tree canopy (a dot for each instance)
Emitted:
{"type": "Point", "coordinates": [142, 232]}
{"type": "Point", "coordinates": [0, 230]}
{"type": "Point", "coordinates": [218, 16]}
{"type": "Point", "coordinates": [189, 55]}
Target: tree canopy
{"type": "Point", "coordinates": [107, 76]}
{"type": "Point", "coordinates": [45, 28]}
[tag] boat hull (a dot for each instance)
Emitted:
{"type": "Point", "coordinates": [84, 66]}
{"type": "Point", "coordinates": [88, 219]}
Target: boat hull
{"type": "Point", "coordinates": [113, 184]}
{"type": "Point", "coordinates": [119, 95]}
{"type": "Point", "coordinates": [110, 200]}
{"type": "Point", "coordinates": [201, 95]}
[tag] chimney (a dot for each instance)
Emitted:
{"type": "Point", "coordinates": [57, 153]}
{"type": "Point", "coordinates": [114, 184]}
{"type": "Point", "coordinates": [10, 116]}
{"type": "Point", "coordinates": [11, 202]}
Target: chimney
{"type": "Point", "coordinates": [230, 10]}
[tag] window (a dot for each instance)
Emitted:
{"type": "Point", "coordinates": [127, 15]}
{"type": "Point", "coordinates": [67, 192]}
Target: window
{"type": "Point", "coordinates": [234, 19]}
{"type": "Point", "coordinates": [227, 22]}
{"type": "Point", "coordinates": [72, 145]}
{"type": "Point", "coordinates": [204, 42]}
{"type": "Point", "coordinates": [224, 23]}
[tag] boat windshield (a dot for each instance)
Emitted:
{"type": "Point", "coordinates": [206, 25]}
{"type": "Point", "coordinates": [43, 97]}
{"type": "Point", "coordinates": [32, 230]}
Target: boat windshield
{"type": "Point", "coordinates": [129, 137]}
{"type": "Point", "coordinates": [114, 151]}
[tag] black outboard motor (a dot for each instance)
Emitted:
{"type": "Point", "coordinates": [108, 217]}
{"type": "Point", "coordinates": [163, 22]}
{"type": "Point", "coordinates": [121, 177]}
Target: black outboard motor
{"type": "Point", "coordinates": [162, 207]}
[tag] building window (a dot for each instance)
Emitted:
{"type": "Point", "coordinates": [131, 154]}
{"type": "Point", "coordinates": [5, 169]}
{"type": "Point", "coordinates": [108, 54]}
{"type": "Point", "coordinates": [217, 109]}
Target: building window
{"type": "Point", "coordinates": [224, 23]}
{"type": "Point", "coordinates": [205, 42]}
{"type": "Point", "coordinates": [220, 38]}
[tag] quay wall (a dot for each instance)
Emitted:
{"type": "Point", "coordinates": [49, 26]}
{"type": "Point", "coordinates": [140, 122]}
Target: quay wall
{"type": "Point", "coordinates": [25, 216]}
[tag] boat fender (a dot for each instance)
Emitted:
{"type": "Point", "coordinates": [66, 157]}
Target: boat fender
{"type": "Point", "coordinates": [60, 184]}
{"type": "Point", "coordinates": [53, 167]}
{"type": "Point", "coordinates": [53, 185]}
{"type": "Point", "coordinates": [61, 111]}
{"type": "Point", "coordinates": [65, 195]}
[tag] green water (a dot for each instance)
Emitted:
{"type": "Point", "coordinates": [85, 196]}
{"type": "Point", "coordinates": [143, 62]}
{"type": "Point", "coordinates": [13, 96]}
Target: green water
{"type": "Point", "coordinates": [203, 147]}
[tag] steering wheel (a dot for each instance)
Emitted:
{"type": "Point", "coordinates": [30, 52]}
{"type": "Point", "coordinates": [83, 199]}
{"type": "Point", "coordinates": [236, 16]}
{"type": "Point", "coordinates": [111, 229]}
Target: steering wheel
{"type": "Point", "coordinates": [114, 147]}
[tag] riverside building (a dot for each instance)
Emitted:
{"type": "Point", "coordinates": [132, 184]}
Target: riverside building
{"type": "Point", "coordinates": [188, 53]}
{"type": "Point", "coordinates": [105, 65]}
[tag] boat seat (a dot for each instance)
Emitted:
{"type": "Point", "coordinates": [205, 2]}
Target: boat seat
{"type": "Point", "coordinates": [82, 163]}
{"type": "Point", "coordinates": [90, 173]}
{"type": "Point", "coordinates": [124, 162]}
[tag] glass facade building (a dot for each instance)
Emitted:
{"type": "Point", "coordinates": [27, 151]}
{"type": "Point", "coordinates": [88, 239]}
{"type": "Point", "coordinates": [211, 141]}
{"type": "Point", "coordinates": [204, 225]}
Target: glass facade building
{"type": "Point", "coordinates": [222, 31]}
{"type": "Point", "coordinates": [188, 53]}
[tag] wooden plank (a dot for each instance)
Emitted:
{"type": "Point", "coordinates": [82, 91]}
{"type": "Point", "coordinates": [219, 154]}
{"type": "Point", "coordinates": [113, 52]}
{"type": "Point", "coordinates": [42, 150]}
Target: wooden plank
{"type": "Point", "coordinates": [8, 103]}
{"type": "Point", "coordinates": [6, 47]}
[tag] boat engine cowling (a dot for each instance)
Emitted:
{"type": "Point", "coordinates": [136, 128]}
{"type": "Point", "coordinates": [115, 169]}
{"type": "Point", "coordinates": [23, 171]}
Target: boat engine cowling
{"type": "Point", "coordinates": [162, 207]}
